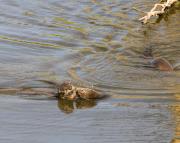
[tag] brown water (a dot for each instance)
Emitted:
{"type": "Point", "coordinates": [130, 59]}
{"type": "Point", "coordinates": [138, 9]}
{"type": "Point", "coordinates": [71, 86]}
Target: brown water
{"type": "Point", "coordinates": [96, 43]}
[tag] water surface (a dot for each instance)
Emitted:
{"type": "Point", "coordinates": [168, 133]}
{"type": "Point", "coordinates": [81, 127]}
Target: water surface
{"type": "Point", "coordinates": [93, 43]}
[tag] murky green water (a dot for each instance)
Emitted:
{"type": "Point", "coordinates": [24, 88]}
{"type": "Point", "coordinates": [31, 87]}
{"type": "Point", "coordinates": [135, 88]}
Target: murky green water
{"type": "Point", "coordinates": [92, 42]}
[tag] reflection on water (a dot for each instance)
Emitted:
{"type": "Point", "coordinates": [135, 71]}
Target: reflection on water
{"type": "Point", "coordinates": [68, 106]}
{"type": "Point", "coordinates": [96, 43]}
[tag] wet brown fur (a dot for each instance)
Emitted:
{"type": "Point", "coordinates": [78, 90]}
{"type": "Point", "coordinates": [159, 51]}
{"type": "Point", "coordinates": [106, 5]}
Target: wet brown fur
{"type": "Point", "coordinates": [67, 90]}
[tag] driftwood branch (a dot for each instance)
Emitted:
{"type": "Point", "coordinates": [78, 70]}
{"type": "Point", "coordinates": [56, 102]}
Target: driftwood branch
{"type": "Point", "coordinates": [158, 9]}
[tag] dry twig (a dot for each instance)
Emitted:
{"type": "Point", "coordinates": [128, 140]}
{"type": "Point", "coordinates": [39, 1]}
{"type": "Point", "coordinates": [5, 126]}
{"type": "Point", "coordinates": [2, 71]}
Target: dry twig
{"type": "Point", "coordinates": [154, 12]}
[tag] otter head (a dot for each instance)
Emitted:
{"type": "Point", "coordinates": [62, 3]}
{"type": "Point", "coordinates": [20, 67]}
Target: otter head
{"type": "Point", "coordinates": [67, 90]}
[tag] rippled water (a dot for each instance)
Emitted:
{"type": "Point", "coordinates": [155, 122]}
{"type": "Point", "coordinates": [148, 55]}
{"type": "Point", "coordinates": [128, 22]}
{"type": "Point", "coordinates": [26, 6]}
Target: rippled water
{"type": "Point", "coordinates": [91, 42]}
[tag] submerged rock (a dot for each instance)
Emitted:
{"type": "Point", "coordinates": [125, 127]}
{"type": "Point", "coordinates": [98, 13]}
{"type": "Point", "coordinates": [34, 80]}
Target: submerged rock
{"type": "Point", "coordinates": [162, 64]}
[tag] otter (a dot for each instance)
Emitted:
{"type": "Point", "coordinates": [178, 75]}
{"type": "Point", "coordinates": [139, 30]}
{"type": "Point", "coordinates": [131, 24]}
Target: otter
{"type": "Point", "coordinates": [67, 90]}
